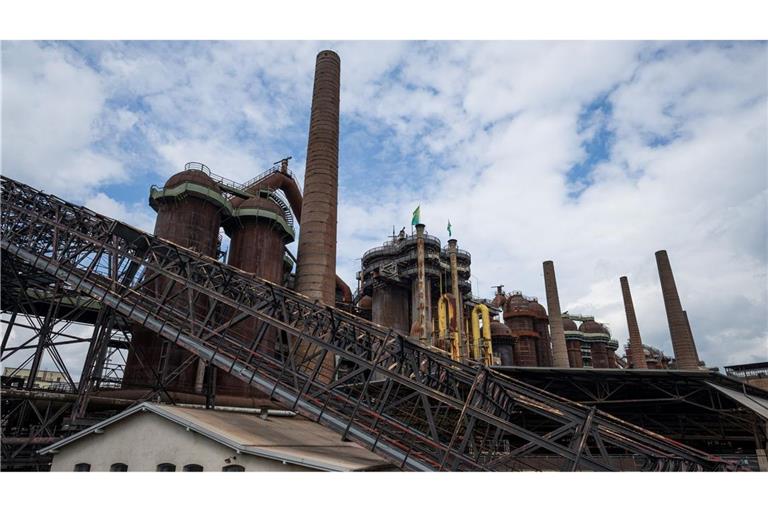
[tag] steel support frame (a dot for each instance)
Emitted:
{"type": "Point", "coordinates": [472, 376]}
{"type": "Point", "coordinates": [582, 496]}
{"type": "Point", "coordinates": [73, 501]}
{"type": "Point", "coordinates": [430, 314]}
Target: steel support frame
{"type": "Point", "coordinates": [435, 413]}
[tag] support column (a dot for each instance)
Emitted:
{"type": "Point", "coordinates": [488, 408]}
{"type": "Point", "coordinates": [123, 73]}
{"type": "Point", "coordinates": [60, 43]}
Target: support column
{"type": "Point", "coordinates": [463, 344]}
{"type": "Point", "coordinates": [559, 349]}
{"type": "Point", "coordinates": [421, 293]}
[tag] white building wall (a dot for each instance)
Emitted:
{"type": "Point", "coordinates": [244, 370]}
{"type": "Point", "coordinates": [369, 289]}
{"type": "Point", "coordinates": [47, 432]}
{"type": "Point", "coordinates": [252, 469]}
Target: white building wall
{"type": "Point", "coordinates": [144, 440]}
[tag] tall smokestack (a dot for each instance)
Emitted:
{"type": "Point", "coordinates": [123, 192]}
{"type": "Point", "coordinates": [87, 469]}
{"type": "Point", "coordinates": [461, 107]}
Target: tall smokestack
{"type": "Point", "coordinates": [690, 333]}
{"type": "Point", "coordinates": [316, 258]}
{"type": "Point", "coordinates": [637, 355]}
{"type": "Point", "coordinates": [559, 350]}
{"type": "Point", "coordinates": [682, 343]}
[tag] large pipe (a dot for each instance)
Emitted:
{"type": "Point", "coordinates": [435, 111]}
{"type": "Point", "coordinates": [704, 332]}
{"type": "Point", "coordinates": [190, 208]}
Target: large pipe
{"type": "Point", "coordinates": [316, 257]}
{"type": "Point", "coordinates": [482, 338]}
{"type": "Point", "coordinates": [682, 343]}
{"type": "Point", "coordinates": [452, 255]}
{"type": "Point", "coordinates": [559, 348]}
{"type": "Point", "coordinates": [636, 353]}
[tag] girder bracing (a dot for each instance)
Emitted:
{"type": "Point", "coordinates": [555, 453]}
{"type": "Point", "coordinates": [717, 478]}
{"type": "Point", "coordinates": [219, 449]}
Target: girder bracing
{"type": "Point", "coordinates": [386, 392]}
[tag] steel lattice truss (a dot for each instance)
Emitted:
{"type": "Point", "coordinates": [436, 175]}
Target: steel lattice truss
{"type": "Point", "coordinates": [388, 393]}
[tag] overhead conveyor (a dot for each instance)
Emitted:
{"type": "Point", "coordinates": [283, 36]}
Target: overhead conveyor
{"type": "Point", "coordinates": [391, 394]}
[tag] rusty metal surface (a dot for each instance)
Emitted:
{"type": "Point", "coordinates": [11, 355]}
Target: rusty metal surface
{"type": "Point", "coordinates": [599, 354]}
{"type": "Point", "coordinates": [390, 307]}
{"type": "Point", "coordinates": [574, 353]}
{"type": "Point", "coordinates": [316, 266]}
{"type": "Point", "coordinates": [190, 222]}
{"type": "Point", "coordinates": [682, 343]}
{"type": "Point", "coordinates": [525, 351]}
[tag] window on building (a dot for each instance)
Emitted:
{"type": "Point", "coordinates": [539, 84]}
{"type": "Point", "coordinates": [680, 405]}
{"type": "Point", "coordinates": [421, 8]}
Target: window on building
{"type": "Point", "coordinates": [119, 467]}
{"type": "Point", "coordinates": [166, 467]}
{"type": "Point", "coordinates": [193, 467]}
{"type": "Point", "coordinates": [233, 467]}
{"type": "Point", "coordinates": [83, 466]}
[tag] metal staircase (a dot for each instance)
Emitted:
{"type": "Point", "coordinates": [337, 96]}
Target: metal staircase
{"type": "Point", "coordinates": [405, 401]}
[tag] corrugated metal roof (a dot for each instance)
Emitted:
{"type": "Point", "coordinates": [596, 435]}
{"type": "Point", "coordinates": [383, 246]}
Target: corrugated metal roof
{"type": "Point", "coordinates": [754, 403]}
{"type": "Point", "coordinates": [290, 439]}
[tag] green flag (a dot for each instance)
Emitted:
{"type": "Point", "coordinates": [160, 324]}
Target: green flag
{"type": "Point", "coordinates": [449, 228]}
{"type": "Point", "coordinates": [416, 216]}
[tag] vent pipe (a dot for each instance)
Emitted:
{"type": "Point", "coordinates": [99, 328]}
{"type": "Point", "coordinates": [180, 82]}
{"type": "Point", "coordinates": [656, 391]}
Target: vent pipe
{"type": "Point", "coordinates": [636, 353]}
{"type": "Point", "coordinates": [559, 349]}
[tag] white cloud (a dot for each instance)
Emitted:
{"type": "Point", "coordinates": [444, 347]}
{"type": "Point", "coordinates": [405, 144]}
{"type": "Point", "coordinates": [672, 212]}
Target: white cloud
{"type": "Point", "coordinates": [137, 215]}
{"type": "Point", "coordinates": [51, 103]}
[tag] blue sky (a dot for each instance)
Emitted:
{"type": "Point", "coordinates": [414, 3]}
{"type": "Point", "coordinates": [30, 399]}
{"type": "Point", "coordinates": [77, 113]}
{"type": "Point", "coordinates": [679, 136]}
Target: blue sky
{"type": "Point", "coordinates": [592, 154]}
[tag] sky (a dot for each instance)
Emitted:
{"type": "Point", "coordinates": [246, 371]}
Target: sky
{"type": "Point", "coordinates": [591, 154]}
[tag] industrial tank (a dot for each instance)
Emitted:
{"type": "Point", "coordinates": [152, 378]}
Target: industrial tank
{"type": "Point", "coordinates": [541, 326]}
{"type": "Point", "coordinates": [189, 212]}
{"type": "Point", "coordinates": [389, 307]}
{"type": "Point", "coordinates": [259, 229]}
{"type": "Point", "coordinates": [598, 337]}
{"type": "Point", "coordinates": [258, 233]}
{"type": "Point", "coordinates": [573, 339]}
{"type": "Point", "coordinates": [519, 316]}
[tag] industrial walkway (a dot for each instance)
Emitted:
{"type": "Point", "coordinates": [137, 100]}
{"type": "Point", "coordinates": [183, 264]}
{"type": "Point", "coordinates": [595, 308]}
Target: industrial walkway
{"type": "Point", "coordinates": [390, 394]}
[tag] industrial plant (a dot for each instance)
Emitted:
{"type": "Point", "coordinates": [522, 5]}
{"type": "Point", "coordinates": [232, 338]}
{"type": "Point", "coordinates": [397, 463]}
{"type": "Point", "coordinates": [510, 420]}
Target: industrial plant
{"type": "Point", "coordinates": [242, 356]}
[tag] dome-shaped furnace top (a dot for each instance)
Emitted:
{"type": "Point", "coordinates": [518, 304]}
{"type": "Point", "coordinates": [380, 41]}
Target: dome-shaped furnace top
{"type": "Point", "coordinates": [538, 309]}
{"type": "Point", "coordinates": [517, 305]}
{"type": "Point", "coordinates": [499, 329]}
{"type": "Point", "coordinates": [569, 325]}
{"type": "Point", "coordinates": [592, 327]}
{"type": "Point", "coordinates": [261, 203]}
{"type": "Point", "coordinates": [191, 176]}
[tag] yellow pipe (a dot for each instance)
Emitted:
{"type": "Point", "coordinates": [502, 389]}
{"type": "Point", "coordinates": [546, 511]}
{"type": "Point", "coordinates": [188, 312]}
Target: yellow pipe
{"type": "Point", "coordinates": [482, 339]}
{"type": "Point", "coordinates": [446, 317]}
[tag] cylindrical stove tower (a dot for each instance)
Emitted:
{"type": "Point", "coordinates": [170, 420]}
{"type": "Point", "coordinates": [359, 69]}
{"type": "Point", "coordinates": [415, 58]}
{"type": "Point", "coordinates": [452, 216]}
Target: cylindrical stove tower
{"type": "Point", "coordinates": [682, 343]}
{"type": "Point", "coordinates": [316, 258]}
{"type": "Point", "coordinates": [519, 318]}
{"type": "Point", "coordinates": [573, 337]}
{"type": "Point", "coordinates": [189, 212]}
{"type": "Point", "coordinates": [636, 355]}
{"type": "Point", "coordinates": [598, 338]}
{"type": "Point", "coordinates": [259, 231]}
{"type": "Point", "coordinates": [559, 349]}
{"type": "Point", "coordinates": [541, 326]}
